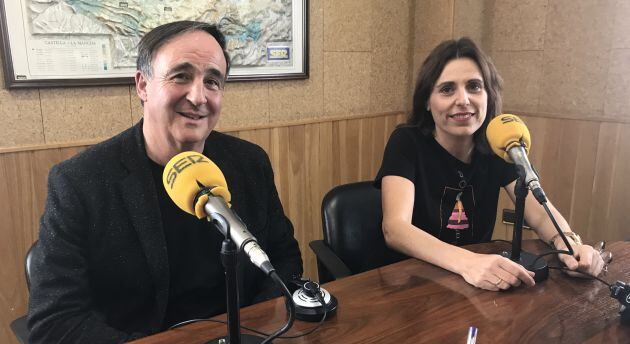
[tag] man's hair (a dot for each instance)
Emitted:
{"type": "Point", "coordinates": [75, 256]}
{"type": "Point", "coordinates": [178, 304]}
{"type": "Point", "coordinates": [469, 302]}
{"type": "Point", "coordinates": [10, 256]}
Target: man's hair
{"type": "Point", "coordinates": [156, 38]}
{"type": "Point", "coordinates": [431, 70]}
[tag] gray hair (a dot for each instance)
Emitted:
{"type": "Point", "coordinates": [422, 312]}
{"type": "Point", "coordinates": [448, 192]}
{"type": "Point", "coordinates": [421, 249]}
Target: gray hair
{"type": "Point", "coordinates": [156, 38]}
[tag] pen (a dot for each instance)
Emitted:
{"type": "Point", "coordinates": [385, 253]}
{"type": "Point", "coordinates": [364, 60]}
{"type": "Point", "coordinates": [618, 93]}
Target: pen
{"type": "Point", "coordinates": [472, 335]}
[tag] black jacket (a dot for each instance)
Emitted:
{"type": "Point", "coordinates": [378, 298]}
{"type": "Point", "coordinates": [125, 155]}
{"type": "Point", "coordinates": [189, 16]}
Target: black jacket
{"type": "Point", "coordinates": [100, 272]}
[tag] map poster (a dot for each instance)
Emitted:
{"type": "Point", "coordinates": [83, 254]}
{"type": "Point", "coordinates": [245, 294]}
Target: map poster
{"type": "Point", "coordinates": [93, 42]}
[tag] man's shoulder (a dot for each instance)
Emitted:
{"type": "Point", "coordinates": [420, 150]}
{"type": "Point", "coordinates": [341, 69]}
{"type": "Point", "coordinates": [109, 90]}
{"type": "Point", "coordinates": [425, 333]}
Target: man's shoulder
{"type": "Point", "coordinates": [234, 147]}
{"type": "Point", "coordinates": [100, 158]}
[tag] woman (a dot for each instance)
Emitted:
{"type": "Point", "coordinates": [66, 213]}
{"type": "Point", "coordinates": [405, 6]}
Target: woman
{"type": "Point", "coordinates": [440, 182]}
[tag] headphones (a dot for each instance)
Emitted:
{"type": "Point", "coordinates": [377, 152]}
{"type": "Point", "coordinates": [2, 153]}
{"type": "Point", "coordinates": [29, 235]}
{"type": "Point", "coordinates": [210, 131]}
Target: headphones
{"type": "Point", "coordinates": [308, 299]}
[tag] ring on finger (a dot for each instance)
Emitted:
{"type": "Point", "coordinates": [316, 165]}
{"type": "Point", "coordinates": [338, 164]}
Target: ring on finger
{"type": "Point", "coordinates": [498, 282]}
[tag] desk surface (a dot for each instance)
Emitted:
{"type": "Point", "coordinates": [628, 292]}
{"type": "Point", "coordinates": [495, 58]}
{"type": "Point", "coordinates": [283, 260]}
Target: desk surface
{"type": "Point", "coordinates": [413, 302]}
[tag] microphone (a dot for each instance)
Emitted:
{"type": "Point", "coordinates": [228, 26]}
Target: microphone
{"type": "Point", "coordinates": [509, 138]}
{"type": "Point", "coordinates": [198, 187]}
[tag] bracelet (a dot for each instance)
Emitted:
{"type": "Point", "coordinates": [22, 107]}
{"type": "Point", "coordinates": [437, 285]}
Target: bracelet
{"type": "Point", "coordinates": [571, 235]}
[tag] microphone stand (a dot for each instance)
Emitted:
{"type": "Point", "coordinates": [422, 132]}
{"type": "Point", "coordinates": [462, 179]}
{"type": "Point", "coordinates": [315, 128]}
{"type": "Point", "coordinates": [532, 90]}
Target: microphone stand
{"type": "Point", "coordinates": [528, 260]}
{"type": "Point", "coordinates": [229, 258]}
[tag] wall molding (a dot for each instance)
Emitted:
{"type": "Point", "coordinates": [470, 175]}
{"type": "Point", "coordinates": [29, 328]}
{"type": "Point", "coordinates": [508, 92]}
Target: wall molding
{"type": "Point", "coordinates": [81, 143]}
{"type": "Point", "coordinates": [549, 115]}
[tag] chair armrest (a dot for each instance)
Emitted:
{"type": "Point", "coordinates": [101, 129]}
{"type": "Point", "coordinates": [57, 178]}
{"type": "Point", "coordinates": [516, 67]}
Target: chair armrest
{"type": "Point", "coordinates": [329, 259]}
{"type": "Point", "coordinates": [18, 326]}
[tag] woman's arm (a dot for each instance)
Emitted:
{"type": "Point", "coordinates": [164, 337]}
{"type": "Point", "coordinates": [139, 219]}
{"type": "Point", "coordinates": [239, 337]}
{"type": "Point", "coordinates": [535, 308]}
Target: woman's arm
{"type": "Point", "coordinates": [585, 258]}
{"type": "Point", "coordinates": [491, 272]}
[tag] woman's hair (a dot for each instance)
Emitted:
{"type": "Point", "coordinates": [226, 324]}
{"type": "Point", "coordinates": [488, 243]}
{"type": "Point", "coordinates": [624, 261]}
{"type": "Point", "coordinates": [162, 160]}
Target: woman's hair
{"type": "Point", "coordinates": [432, 69]}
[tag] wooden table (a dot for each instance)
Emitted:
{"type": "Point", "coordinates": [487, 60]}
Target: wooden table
{"type": "Point", "coordinates": [414, 302]}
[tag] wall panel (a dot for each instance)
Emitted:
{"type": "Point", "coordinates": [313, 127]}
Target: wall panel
{"type": "Point", "coordinates": [583, 165]}
{"type": "Point", "coordinates": [308, 160]}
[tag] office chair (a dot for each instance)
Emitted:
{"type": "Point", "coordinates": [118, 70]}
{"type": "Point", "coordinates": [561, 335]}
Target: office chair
{"type": "Point", "coordinates": [18, 326]}
{"type": "Point", "coordinates": [353, 239]}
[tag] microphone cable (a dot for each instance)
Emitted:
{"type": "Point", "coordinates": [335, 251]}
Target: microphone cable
{"type": "Point", "coordinates": [253, 330]}
{"type": "Point", "coordinates": [319, 296]}
{"type": "Point", "coordinates": [619, 291]}
{"type": "Point", "coordinates": [585, 274]}
{"type": "Point", "coordinates": [568, 252]}
{"type": "Point", "coordinates": [288, 300]}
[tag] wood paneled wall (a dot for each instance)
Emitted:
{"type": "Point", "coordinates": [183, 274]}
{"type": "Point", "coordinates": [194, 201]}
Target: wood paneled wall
{"type": "Point", "coordinates": [308, 160]}
{"type": "Point", "coordinates": [23, 177]}
{"type": "Point", "coordinates": [584, 168]}
{"type": "Point", "coordinates": [583, 164]}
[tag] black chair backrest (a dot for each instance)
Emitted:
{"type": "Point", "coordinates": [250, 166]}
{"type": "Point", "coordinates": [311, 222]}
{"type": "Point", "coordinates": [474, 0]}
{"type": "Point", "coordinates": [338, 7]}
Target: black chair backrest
{"type": "Point", "coordinates": [18, 326]}
{"type": "Point", "coordinates": [352, 219]}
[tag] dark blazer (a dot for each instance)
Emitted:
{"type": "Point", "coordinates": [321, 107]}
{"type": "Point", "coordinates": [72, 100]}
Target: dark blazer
{"type": "Point", "coordinates": [100, 272]}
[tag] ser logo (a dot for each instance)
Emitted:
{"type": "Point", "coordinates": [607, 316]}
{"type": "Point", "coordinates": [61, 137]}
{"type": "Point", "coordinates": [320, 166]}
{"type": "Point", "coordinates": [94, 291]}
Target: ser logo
{"type": "Point", "coordinates": [510, 119]}
{"type": "Point", "coordinates": [180, 165]}
{"type": "Point", "coordinates": [278, 53]}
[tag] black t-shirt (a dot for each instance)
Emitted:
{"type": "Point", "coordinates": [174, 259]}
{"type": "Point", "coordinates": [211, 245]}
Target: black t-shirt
{"type": "Point", "coordinates": [197, 282]}
{"type": "Point", "coordinates": [454, 201]}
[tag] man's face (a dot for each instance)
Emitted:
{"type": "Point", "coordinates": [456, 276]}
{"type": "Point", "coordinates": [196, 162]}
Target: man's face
{"type": "Point", "coordinates": [182, 99]}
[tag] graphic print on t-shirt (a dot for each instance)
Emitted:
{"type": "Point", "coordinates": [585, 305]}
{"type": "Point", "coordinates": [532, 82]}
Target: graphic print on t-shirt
{"type": "Point", "coordinates": [457, 215]}
{"type": "Point", "coordinates": [458, 219]}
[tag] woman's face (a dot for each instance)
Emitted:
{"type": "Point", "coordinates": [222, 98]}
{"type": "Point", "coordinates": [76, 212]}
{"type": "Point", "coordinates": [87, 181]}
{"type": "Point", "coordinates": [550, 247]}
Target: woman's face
{"type": "Point", "coordinates": [458, 101]}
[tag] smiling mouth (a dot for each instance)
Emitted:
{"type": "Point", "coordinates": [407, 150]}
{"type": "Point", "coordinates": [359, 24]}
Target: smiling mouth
{"type": "Point", "coordinates": [461, 116]}
{"type": "Point", "coordinates": [191, 116]}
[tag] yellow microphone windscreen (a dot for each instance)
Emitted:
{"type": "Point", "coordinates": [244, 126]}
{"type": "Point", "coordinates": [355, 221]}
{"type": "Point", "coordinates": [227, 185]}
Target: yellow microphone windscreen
{"type": "Point", "coordinates": [506, 131]}
{"type": "Point", "coordinates": [189, 172]}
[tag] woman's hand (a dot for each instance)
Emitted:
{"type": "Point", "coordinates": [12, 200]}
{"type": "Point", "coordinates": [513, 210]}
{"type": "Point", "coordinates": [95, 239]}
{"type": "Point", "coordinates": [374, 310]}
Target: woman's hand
{"type": "Point", "coordinates": [494, 272]}
{"type": "Point", "coordinates": [585, 259]}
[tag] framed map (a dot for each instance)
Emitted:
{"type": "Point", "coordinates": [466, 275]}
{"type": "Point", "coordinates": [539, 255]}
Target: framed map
{"type": "Point", "coordinates": [93, 42]}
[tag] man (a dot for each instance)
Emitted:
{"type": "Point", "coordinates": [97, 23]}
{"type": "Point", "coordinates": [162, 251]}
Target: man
{"type": "Point", "coordinates": [116, 259]}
